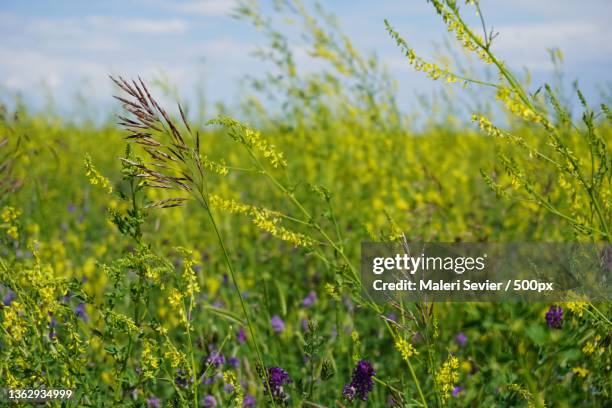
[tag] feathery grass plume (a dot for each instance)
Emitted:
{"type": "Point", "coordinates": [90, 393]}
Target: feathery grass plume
{"type": "Point", "coordinates": [177, 164]}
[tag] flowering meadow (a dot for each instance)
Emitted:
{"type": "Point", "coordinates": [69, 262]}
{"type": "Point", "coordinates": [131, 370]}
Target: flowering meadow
{"type": "Point", "coordinates": [160, 259]}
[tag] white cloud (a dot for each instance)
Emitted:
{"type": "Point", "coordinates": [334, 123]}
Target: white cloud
{"type": "Point", "coordinates": [70, 28]}
{"type": "Point", "coordinates": [205, 7]}
{"type": "Point", "coordinates": [221, 48]}
{"type": "Point", "coordinates": [580, 41]}
{"type": "Point", "coordinates": [139, 26]}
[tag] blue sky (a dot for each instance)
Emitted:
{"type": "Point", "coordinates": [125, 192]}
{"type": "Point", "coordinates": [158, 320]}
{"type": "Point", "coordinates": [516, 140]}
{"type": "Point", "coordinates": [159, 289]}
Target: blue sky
{"type": "Point", "coordinates": [70, 46]}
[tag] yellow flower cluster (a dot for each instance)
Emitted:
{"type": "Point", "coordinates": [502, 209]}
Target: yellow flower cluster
{"type": "Point", "coordinates": [332, 291]}
{"type": "Point", "coordinates": [447, 376]}
{"type": "Point", "coordinates": [9, 216]}
{"type": "Point", "coordinates": [121, 321]}
{"type": "Point", "coordinates": [149, 359]}
{"type": "Point", "coordinates": [580, 371]}
{"type": "Point", "coordinates": [356, 345]}
{"type": "Point", "coordinates": [514, 104]}
{"type": "Point", "coordinates": [43, 284]}
{"type": "Point", "coordinates": [468, 39]}
{"type": "Point", "coordinates": [405, 348]}
{"type": "Point", "coordinates": [251, 139]}
{"type": "Point", "coordinates": [486, 126]}
{"type": "Point", "coordinates": [219, 168]}
{"type": "Point", "coordinates": [175, 357]}
{"type": "Point", "coordinates": [176, 299]}
{"type": "Point", "coordinates": [576, 307]}
{"type": "Point", "coordinates": [592, 346]}
{"type": "Point", "coordinates": [230, 378]}
{"type": "Point", "coordinates": [153, 274]}
{"type": "Point", "coordinates": [432, 70]}
{"type": "Point", "coordinates": [526, 395]}
{"type": "Point", "coordinates": [264, 219]}
{"type": "Point", "coordinates": [95, 178]}
{"type": "Point", "coordinates": [12, 323]}
{"type": "Point", "coordinates": [189, 275]}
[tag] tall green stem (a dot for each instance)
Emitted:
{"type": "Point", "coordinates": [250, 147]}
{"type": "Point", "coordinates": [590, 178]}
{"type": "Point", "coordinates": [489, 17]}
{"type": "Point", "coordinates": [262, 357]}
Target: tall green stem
{"type": "Point", "coordinates": [242, 302]}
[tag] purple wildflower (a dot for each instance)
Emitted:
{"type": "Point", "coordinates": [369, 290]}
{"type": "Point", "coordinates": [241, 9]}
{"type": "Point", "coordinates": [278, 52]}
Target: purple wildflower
{"type": "Point", "coordinates": [277, 378]}
{"type": "Point", "coordinates": [228, 388]}
{"type": "Point", "coordinates": [249, 401]}
{"type": "Point", "coordinates": [234, 362]}
{"type": "Point", "coordinates": [277, 324]}
{"type": "Point", "coordinates": [80, 311]}
{"type": "Point", "coordinates": [209, 401]}
{"type": "Point", "coordinates": [349, 392]}
{"type": "Point", "coordinates": [215, 358]}
{"type": "Point", "coordinates": [241, 335]}
{"type": "Point", "coordinates": [461, 339]}
{"type": "Point", "coordinates": [208, 380]}
{"type": "Point", "coordinates": [457, 390]}
{"type": "Point", "coordinates": [71, 208]}
{"type": "Point", "coordinates": [8, 298]}
{"type": "Point", "coordinates": [554, 317]}
{"type": "Point", "coordinates": [391, 402]}
{"type": "Point", "coordinates": [361, 383]}
{"type": "Point", "coordinates": [181, 379]}
{"type": "Point", "coordinates": [153, 402]}
{"type": "Point", "coordinates": [309, 299]}
{"type": "Point", "coordinates": [52, 325]}
{"type": "Point", "coordinates": [348, 303]}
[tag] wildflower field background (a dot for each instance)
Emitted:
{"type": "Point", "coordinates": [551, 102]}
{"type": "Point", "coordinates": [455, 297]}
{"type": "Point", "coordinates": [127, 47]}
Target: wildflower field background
{"type": "Point", "coordinates": [179, 260]}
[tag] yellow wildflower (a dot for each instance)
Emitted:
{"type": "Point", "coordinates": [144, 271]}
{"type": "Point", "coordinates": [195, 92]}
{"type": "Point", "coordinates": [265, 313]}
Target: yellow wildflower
{"type": "Point", "coordinates": [230, 378]}
{"type": "Point", "coordinates": [95, 178]}
{"type": "Point", "coordinates": [447, 376]}
{"type": "Point", "coordinates": [263, 218]}
{"type": "Point", "coordinates": [576, 307]}
{"type": "Point", "coordinates": [175, 357]}
{"type": "Point", "coordinates": [149, 359]}
{"type": "Point", "coordinates": [406, 349]}
{"type": "Point", "coordinates": [580, 371]}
